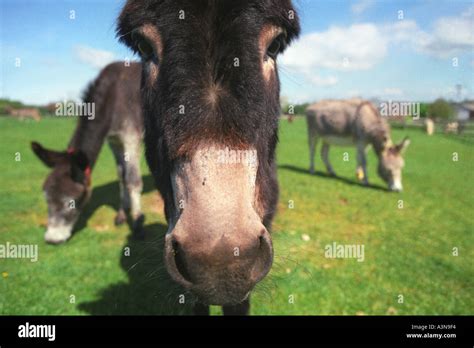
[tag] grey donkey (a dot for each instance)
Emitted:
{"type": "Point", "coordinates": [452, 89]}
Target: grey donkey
{"type": "Point", "coordinates": [355, 122]}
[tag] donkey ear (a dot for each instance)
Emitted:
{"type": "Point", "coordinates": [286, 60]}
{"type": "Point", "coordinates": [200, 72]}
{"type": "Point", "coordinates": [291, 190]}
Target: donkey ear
{"type": "Point", "coordinates": [403, 145]}
{"type": "Point", "coordinates": [79, 165]}
{"type": "Point", "coordinates": [48, 157]}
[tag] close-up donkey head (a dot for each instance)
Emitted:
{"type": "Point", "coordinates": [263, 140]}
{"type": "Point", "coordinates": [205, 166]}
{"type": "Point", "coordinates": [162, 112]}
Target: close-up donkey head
{"type": "Point", "coordinates": [210, 91]}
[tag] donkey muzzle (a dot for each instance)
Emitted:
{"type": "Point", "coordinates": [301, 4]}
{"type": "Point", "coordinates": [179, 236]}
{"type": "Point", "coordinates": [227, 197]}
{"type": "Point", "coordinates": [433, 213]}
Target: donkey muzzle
{"type": "Point", "coordinates": [217, 246]}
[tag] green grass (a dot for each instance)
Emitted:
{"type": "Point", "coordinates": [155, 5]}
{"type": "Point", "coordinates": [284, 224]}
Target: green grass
{"type": "Point", "coordinates": [407, 251]}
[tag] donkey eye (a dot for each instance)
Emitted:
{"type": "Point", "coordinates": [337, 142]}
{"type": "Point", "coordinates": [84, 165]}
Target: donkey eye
{"type": "Point", "coordinates": [145, 49]}
{"type": "Point", "coordinates": [143, 46]}
{"type": "Point", "coordinates": [276, 46]}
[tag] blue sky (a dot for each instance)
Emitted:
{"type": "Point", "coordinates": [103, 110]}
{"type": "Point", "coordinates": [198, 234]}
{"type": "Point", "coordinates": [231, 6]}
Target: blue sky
{"type": "Point", "coordinates": [347, 48]}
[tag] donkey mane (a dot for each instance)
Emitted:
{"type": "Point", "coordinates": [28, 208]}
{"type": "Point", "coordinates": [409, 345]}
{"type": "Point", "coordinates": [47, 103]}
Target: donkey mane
{"type": "Point", "coordinates": [89, 92]}
{"type": "Point", "coordinates": [379, 131]}
{"type": "Point", "coordinates": [370, 105]}
{"type": "Point", "coordinates": [90, 134]}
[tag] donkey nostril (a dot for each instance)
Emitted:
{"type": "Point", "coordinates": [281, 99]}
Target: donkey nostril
{"type": "Point", "coordinates": [262, 241]}
{"type": "Point", "coordinates": [180, 261]}
{"type": "Point", "coordinates": [264, 258]}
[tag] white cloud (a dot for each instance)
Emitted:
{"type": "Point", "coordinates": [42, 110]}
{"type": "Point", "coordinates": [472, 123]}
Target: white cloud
{"type": "Point", "coordinates": [94, 57]}
{"type": "Point", "coordinates": [361, 6]}
{"type": "Point", "coordinates": [323, 81]}
{"type": "Point", "coordinates": [358, 47]}
{"type": "Point", "coordinates": [450, 36]}
{"type": "Point", "coordinates": [321, 58]}
{"type": "Point", "coordinates": [401, 31]}
{"type": "Point", "coordinates": [469, 12]}
{"type": "Point", "coordinates": [362, 46]}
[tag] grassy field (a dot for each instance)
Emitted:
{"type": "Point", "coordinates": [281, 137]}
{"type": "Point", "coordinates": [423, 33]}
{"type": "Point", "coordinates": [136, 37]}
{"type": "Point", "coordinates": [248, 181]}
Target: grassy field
{"type": "Point", "coordinates": [408, 251]}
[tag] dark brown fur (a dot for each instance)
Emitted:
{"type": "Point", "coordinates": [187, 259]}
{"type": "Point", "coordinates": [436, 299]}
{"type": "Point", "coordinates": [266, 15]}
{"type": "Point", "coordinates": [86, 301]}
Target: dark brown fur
{"type": "Point", "coordinates": [192, 67]}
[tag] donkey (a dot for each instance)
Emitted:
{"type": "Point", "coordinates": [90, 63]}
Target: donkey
{"type": "Point", "coordinates": [355, 122]}
{"type": "Point", "coordinates": [67, 188]}
{"type": "Point", "coordinates": [210, 86]}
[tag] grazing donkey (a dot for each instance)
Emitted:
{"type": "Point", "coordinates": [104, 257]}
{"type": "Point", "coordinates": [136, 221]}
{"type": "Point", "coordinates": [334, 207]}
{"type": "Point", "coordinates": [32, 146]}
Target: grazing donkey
{"type": "Point", "coordinates": [355, 122]}
{"type": "Point", "coordinates": [119, 119]}
{"type": "Point", "coordinates": [210, 87]}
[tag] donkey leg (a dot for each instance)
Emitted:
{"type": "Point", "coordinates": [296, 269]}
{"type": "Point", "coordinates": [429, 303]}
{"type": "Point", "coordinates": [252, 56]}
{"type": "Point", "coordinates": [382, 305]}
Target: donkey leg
{"type": "Point", "coordinates": [133, 182]}
{"type": "Point", "coordinates": [118, 151]}
{"type": "Point", "coordinates": [325, 157]}
{"type": "Point", "coordinates": [312, 140]}
{"type": "Point", "coordinates": [242, 308]}
{"type": "Point", "coordinates": [362, 163]}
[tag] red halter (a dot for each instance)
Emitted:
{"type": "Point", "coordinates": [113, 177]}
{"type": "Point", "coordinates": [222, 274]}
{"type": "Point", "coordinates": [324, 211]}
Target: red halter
{"type": "Point", "coordinates": [87, 171]}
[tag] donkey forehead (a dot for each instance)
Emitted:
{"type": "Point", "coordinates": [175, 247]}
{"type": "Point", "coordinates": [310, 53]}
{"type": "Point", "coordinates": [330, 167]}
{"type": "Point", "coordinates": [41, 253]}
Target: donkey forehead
{"type": "Point", "coordinates": [393, 159]}
{"type": "Point", "coordinates": [201, 95]}
{"type": "Point", "coordinates": [208, 21]}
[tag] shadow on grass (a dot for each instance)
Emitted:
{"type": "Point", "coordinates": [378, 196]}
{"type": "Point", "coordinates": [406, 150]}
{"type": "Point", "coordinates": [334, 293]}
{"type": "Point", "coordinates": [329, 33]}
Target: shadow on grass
{"type": "Point", "coordinates": [107, 195]}
{"type": "Point", "coordinates": [149, 290]}
{"type": "Point", "coordinates": [327, 176]}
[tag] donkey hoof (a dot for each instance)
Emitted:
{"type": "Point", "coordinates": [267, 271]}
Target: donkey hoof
{"type": "Point", "coordinates": [332, 174]}
{"type": "Point", "coordinates": [137, 228]}
{"type": "Point", "coordinates": [312, 171]}
{"type": "Point", "coordinates": [121, 218]}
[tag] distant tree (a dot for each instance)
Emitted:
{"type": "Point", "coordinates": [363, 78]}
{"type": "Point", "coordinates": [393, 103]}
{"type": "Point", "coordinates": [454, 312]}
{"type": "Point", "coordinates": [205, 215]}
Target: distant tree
{"type": "Point", "coordinates": [7, 104]}
{"type": "Point", "coordinates": [301, 108]}
{"type": "Point", "coordinates": [424, 109]}
{"type": "Point", "coordinates": [13, 103]}
{"type": "Point", "coordinates": [295, 109]}
{"type": "Point", "coordinates": [440, 109]}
